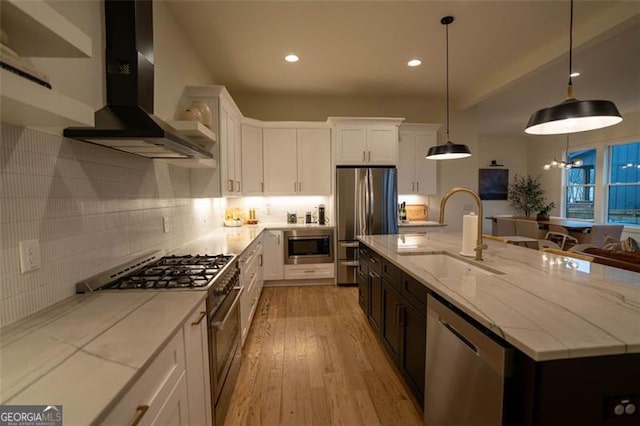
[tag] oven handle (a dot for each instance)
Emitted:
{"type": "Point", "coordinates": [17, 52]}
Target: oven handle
{"type": "Point", "coordinates": [309, 237]}
{"type": "Point", "coordinates": [220, 324]}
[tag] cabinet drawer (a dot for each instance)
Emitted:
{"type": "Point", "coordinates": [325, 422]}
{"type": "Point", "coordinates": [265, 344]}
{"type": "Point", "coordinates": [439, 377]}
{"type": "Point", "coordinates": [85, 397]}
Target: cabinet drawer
{"type": "Point", "coordinates": [392, 274]}
{"type": "Point", "coordinates": [375, 263]}
{"type": "Point", "coordinates": [153, 388]}
{"type": "Point", "coordinates": [415, 293]}
{"type": "Point", "coordinates": [303, 272]}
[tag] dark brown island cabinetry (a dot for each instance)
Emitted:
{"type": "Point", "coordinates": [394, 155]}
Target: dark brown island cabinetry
{"type": "Point", "coordinates": [395, 304]}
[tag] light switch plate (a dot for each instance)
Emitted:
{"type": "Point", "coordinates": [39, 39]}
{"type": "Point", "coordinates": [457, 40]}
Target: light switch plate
{"type": "Point", "coordinates": [29, 255]}
{"type": "Point", "coordinates": [166, 225]}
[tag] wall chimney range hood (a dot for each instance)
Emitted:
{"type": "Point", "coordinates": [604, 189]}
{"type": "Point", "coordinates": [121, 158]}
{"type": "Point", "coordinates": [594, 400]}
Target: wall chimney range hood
{"type": "Point", "coordinates": [127, 122]}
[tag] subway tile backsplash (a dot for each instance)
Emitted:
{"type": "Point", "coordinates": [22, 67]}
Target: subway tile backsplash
{"type": "Point", "coordinates": [90, 207]}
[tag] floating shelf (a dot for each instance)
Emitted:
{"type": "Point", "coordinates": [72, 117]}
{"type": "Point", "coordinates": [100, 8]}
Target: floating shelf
{"type": "Point", "coordinates": [196, 131]}
{"type": "Point", "coordinates": [25, 103]}
{"type": "Point", "coordinates": [207, 163]}
{"type": "Point", "coordinates": [35, 29]}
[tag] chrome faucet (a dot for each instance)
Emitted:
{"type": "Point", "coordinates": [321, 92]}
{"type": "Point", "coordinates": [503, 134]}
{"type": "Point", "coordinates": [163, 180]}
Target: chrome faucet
{"type": "Point", "coordinates": [479, 244]}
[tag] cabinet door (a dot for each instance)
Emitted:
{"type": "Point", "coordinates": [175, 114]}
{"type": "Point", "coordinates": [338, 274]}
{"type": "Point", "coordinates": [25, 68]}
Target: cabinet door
{"type": "Point", "coordinates": [280, 161]}
{"type": "Point", "coordinates": [252, 170]}
{"type": "Point", "coordinates": [227, 151]}
{"type": "Point", "coordinates": [382, 145]}
{"type": "Point", "coordinates": [314, 161]}
{"type": "Point", "coordinates": [237, 155]}
{"type": "Point", "coordinates": [351, 145]}
{"type": "Point", "coordinates": [363, 285]}
{"type": "Point", "coordinates": [273, 255]}
{"type": "Point", "coordinates": [413, 352]}
{"type": "Point", "coordinates": [406, 161]}
{"type": "Point", "coordinates": [391, 320]}
{"type": "Point", "coordinates": [425, 174]}
{"type": "Point", "coordinates": [375, 299]}
{"type": "Point", "coordinates": [197, 366]}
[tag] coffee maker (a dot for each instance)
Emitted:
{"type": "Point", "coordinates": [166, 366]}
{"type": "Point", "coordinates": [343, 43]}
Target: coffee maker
{"type": "Point", "coordinates": [321, 216]}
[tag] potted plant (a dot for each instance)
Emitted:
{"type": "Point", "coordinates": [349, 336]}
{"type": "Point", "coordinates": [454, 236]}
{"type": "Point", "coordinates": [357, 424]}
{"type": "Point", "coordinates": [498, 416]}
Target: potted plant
{"type": "Point", "coordinates": [544, 212]}
{"type": "Point", "coordinates": [527, 196]}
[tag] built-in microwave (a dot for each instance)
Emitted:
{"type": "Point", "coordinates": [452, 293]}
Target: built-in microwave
{"type": "Point", "coordinates": [302, 246]}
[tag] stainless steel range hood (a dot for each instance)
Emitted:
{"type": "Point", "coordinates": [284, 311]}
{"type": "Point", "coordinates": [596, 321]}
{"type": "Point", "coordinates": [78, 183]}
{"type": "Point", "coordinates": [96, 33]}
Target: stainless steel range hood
{"type": "Point", "coordinates": [127, 122]}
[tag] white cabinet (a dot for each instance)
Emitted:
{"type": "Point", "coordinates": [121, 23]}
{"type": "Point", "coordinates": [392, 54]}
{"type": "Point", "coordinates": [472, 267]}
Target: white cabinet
{"type": "Point", "coordinates": [197, 366]}
{"type": "Point", "coordinates": [37, 30]}
{"type": "Point", "coordinates": [250, 262]}
{"type": "Point", "coordinates": [297, 161]}
{"type": "Point", "coordinates": [159, 396]}
{"type": "Point", "coordinates": [309, 271]}
{"type": "Point", "coordinates": [252, 161]}
{"type": "Point", "coordinates": [366, 141]}
{"type": "Point", "coordinates": [416, 174]}
{"type": "Point", "coordinates": [273, 255]}
{"type": "Point", "coordinates": [280, 161]}
{"type": "Point", "coordinates": [231, 151]}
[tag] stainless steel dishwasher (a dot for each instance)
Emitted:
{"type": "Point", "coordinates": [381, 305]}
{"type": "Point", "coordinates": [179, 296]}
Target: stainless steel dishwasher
{"type": "Point", "coordinates": [465, 371]}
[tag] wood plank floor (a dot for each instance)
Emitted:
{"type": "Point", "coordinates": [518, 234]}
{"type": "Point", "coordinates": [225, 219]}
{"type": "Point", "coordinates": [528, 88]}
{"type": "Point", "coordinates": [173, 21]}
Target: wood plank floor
{"type": "Point", "coordinates": [311, 358]}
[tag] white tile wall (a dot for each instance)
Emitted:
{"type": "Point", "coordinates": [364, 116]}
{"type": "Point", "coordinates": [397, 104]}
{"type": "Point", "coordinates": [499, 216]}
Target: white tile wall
{"type": "Point", "coordinates": [90, 207]}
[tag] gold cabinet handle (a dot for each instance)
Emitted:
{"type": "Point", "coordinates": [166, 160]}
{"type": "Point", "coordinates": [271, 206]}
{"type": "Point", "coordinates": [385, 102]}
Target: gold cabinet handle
{"type": "Point", "coordinates": [299, 186]}
{"type": "Point", "coordinates": [230, 185]}
{"type": "Point", "coordinates": [141, 411]}
{"type": "Point", "coordinates": [417, 186]}
{"type": "Point", "coordinates": [238, 186]}
{"type": "Point", "coordinates": [202, 315]}
{"type": "Point", "coordinates": [261, 186]}
{"type": "Point", "coordinates": [369, 155]}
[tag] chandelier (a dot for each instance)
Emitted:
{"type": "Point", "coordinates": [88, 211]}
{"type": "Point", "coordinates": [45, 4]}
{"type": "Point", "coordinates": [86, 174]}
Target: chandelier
{"type": "Point", "coordinates": [563, 164]}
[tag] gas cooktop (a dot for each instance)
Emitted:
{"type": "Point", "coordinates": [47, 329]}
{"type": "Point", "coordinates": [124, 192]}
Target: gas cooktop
{"type": "Point", "coordinates": [155, 271]}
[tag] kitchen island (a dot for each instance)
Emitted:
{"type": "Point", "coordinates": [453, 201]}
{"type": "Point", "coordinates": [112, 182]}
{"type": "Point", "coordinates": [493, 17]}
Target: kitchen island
{"type": "Point", "coordinates": [573, 326]}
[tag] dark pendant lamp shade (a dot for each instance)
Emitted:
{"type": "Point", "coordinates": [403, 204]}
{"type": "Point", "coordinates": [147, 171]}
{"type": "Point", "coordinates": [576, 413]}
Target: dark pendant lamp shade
{"type": "Point", "coordinates": [573, 115]}
{"type": "Point", "coordinates": [448, 150]}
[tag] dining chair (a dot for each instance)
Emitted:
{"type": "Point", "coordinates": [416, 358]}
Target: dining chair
{"type": "Point", "coordinates": [528, 228]}
{"type": "Point", "coordinates": [560, 235]}
{"type": "Point", "coordinates": [494, 238]}
{"type": "Point", "coordinates": [505, 226]}
{"type": "Point", "coordinates": [599, 233]}
{"type": "Point", "coordinates": [543, 244]}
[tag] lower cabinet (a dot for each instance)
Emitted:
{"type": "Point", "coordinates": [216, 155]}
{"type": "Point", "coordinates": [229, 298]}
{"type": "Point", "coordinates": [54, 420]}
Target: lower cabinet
{"type": "Point", "coordinates": [159, 396]}
{"type": "Point", "coordinates": [197, 365]}
{"type": "Point", "coordinates": [273, 255]}
{"type": "Point", "coordinates": [309, 271]}
{"type": "Point", "coordinates": [395, 304]}
{"type": "Point", "coordinates": [251, 280]}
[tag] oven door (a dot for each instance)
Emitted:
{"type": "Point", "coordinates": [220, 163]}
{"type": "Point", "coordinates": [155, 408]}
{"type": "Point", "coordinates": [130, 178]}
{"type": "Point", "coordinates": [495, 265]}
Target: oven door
{"type": "Point", "coordinates": [224, 338]}
{"type": "Point", "coordinates": [301, 248]}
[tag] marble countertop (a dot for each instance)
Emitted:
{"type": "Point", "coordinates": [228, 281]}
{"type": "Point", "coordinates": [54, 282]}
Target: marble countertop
{"type": "Point", "coordinates": [546, 306]}
{"type": "Point", "coordinates": [420, 223]}
{"type": "Point", "coordinates": [86, 351]}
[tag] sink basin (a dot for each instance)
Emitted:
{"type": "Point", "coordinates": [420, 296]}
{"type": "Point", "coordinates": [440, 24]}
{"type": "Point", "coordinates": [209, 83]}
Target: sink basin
{"type": "Point", "coordinates": [444, 265]}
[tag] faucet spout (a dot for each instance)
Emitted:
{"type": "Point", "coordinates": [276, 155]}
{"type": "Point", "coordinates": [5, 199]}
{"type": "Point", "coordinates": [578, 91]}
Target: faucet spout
{"type": "Point", "coordinates": [479, 244]}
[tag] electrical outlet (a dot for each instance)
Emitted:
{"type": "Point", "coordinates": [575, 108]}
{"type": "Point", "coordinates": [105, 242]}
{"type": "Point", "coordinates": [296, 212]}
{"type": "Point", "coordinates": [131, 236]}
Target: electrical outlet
{"type": "Point", "coordinates": [166, 225]}
{"type": "Point", "coordinates": [29, 255]}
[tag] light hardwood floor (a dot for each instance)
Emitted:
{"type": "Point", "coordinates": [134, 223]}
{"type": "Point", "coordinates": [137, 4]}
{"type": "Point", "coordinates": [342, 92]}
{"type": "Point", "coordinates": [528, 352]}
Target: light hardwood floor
{"type": "Point", "coordinates": [311, 358]}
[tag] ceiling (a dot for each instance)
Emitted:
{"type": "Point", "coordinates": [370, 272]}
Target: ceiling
{"type": "Point", "coordinates": [508, 58]}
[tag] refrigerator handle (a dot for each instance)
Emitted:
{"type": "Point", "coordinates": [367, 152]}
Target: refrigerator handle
{"type": "Point", "coordinates": [369, 203]}
{"type": "Point", "coordinates": [361, 206]}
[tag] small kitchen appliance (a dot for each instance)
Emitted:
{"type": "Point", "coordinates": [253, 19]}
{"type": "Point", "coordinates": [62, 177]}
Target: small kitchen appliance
{"type": "Point", "coordinates": [321, 217]}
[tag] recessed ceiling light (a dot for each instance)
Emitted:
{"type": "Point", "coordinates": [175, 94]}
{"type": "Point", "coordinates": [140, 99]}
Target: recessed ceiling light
{"type": "Point", "coordinates": [291, 58]}
{"type": "Point", "coordinates": [574, 74]}
{"type": "Point", "coordinates": [414, 62]}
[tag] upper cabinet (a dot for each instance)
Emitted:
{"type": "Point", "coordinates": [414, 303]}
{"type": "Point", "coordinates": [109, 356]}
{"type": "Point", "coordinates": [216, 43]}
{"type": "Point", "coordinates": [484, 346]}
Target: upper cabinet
{"type": "Point", "coordinates": [297, 161]}
{"type": "Point", "coordinates": [416, 174]}
{"type": "Point", "coordinates": [366, 141]}
{"type": "Point", "coordinates": [226, 119]}
{"type": "Point", "coordinates": [252, 160]}
{"type": "Point", "coordinates": [35, 29]}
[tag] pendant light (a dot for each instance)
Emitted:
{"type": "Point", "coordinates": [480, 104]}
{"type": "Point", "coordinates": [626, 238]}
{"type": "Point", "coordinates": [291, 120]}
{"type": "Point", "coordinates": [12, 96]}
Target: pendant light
{"type": "Point", "coordinates": [563, 164]}
{"type": "Point", "coordinates": [448, 150]}
{"type": "Point", "coordinates": [573, 115]}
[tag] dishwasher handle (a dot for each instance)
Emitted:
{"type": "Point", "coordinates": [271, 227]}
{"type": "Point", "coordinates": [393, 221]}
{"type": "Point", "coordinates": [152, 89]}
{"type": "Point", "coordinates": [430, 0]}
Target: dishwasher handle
{"type": "Point", "coordinates": [460, 336]}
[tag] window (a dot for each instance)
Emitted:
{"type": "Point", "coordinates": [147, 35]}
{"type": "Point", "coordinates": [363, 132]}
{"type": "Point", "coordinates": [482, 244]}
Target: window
{"type": "Point", "coordinates": [580, 189]}
{"type": "Point", "coordinates": [624, 184]}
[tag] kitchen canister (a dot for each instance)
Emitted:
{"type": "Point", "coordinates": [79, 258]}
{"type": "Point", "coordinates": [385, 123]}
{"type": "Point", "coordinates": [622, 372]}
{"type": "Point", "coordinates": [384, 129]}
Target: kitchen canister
{"type": "Point", "coordinates": [469, 234]}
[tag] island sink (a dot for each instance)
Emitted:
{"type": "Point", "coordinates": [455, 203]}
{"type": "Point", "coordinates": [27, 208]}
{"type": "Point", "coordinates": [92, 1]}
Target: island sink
{"type": "Point", "coordinates": [443, 264]}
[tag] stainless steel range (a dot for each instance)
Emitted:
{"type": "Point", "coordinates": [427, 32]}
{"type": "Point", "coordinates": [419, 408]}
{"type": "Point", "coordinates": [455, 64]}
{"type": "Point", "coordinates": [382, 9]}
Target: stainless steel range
{"type": "Point", "coordinates": [219, 276]}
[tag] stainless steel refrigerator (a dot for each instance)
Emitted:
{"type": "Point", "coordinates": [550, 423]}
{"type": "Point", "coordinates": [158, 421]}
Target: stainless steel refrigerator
{"type": "Point", "coordinates": [366, 204]}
